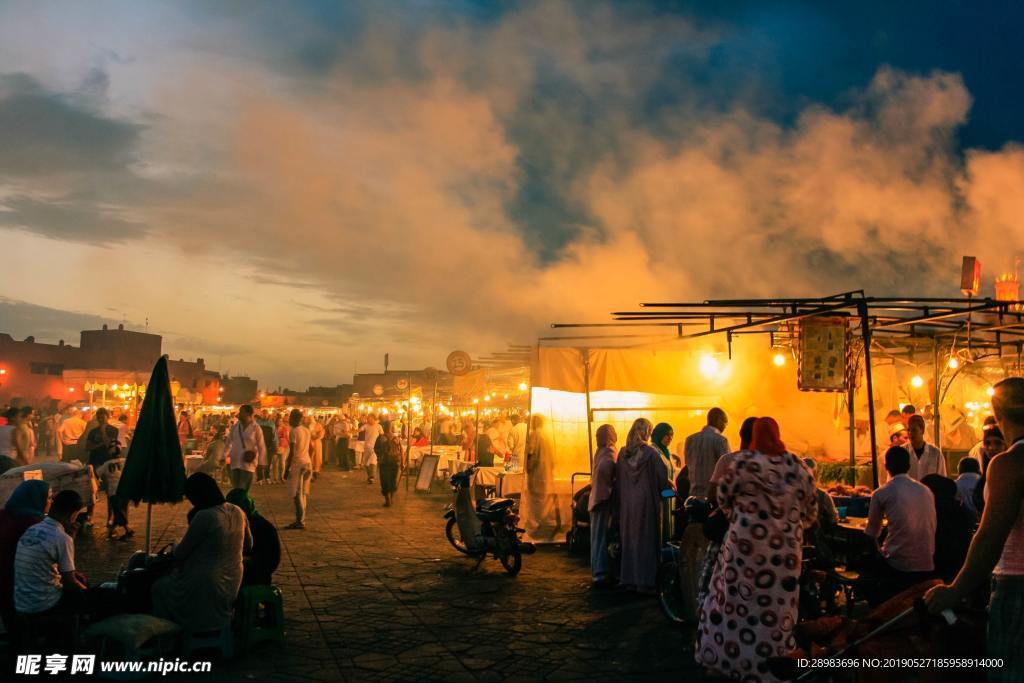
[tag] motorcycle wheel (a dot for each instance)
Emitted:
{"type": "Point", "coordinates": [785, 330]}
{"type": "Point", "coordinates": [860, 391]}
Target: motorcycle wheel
{"type": "Point", "coordinates": [512, 561]}
{"type": "Point", "coordinates": [670, 593]}
{"type": "Point", "coordinates": [454, 536]}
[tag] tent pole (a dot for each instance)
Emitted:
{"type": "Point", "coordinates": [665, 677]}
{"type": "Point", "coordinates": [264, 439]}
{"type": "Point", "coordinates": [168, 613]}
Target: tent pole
{"type": "Point", "coordinates": [590, 416]}
{"type": "Point", "coordinates": [936, 395]}
{"type": "Point", "coordinates": [865, 326]}
{"type": "Point", "coordinates": [853, 431]}
{"type": "Point", "coordinates": [149, 528]}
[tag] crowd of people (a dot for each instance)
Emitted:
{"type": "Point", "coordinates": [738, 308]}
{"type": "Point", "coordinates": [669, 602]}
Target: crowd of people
{"type": "Point", "coordinates": [743, 517]}
{"type": "Point", "coordinates": [750, 515]}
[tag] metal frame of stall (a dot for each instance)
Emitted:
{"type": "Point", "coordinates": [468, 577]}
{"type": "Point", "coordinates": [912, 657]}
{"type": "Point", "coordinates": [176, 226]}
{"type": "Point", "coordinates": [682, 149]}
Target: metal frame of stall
{"type": "Point", "coordinates": [891, 323]}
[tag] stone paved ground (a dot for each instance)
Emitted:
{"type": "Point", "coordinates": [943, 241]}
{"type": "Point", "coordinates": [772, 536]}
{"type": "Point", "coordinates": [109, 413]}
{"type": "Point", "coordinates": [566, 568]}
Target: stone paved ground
{"type": "Point", "coordinates": [373, 593]}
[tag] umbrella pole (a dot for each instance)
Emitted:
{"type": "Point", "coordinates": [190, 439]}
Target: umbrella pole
{"type": "Point", "coordinates": [149, 527]}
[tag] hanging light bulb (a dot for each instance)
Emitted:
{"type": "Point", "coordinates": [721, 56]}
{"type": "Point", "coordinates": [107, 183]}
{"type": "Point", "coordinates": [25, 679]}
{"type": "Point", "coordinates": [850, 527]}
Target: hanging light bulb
{"type": "Point", "coordinates": [708, 366]}
{"type": "Point", "coordinates": [779, 360]}
{"type": "Point", "coordinates": [917, 381]}
{"type": "Point", "coordinates": [991, 391]}
{"type": "Point", "coordinates": [953, 363]}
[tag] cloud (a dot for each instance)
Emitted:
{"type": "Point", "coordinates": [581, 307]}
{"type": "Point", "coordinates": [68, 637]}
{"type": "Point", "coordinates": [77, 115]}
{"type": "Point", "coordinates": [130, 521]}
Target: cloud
{"type": "Point", "coordinates": [22, 319]}
{"type": "Point", "coordinates": [410, 188]}
{"type": "Point", "coordinates": [67, 220]}
{"type": "Point", "coordinates": [48, 133]}
{"type": "Point", "coordinates": [66, 171]}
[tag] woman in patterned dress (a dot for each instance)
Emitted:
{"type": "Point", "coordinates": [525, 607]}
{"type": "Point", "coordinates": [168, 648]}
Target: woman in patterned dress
{"type": "Point", "coordinates": [750, 611]}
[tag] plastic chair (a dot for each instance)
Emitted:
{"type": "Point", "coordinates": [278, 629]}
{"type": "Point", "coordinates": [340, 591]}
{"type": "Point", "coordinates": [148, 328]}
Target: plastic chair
{"type": "Point", "coordinates": [260, 615]}
{"type": "Point", "coordinates": [220, 640]}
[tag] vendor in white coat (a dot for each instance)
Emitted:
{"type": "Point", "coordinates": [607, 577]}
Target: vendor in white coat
{"type": "Point", "coordinates": [925, 458]}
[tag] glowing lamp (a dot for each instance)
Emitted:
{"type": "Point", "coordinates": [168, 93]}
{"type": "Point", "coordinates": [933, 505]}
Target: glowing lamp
{"type": "Point", "coordinates": [708, 366]}
{"type": "Point", "coordinates": [991, 391]}
{"type": "Point", "coordinates": [476, 400]}
{"type": "Point", "coordinates": [953, 364]}
{"type": "Point", "coordinates": [522, 386]}
{"type": "Point", "coordinates": [71, 390]}
{"type": "Point", "coordinates": [779, 360]}
{"type": "Point", "coordinates": [113, 387]}
{"type": "Point", "coordinates": [487, 397]}
{"type": "Point", "coordinates": [917, 381]}
{"type": "Point", "coordinates": [3, 371]}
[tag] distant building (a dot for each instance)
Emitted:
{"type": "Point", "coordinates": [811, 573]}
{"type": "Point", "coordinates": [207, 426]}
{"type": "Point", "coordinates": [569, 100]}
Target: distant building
{"type": "Point", "coordinates": [238, 390]}
{"type": "Point", "coordinates": [107, 367]}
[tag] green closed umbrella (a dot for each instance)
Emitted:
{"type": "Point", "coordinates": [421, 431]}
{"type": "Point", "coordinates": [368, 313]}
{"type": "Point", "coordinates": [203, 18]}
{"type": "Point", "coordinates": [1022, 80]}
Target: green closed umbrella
{"type": "Point", "coordinates": [154, 471]}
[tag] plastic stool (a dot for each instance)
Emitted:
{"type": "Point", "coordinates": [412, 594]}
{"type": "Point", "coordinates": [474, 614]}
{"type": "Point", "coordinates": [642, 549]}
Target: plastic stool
{"type": "Point", "coordinates": [260, 615]}
{"type": "Point", "coordinates": [209, 640]}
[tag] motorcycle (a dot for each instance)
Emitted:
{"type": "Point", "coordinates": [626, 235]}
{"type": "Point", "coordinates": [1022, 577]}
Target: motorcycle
{"type": "Point", "coordinates": [488, 527]}
{"type": "Point", "coordinates": [671, 564]}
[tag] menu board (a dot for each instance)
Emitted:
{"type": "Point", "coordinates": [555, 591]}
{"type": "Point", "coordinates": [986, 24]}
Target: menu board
{"type": "Point", "coordinates": [824, 354]}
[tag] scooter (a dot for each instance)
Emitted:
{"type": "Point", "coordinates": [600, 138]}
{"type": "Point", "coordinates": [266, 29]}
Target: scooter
{"type": "Point", "coordinates": [488, 527]}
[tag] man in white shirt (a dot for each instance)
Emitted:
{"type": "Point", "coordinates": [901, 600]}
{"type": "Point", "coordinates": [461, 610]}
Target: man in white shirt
{"type": "Point", "coordinates": [907, 555]}
{"type": "Point", "coordinates": [45, 577]}
{"type": "Point", "coordinates": [371, 432]}
{"type": "Point", "coordinates": [71, 430]}
{"type": "Point", "coordinates": [516, 441]}
{"type": "Point", "coordinates": [925, 458]}
{"type": "Point", "coordinates": [246, 449]}
{"type": "Point", "coordinates": [299, 467]}
{"type": "Point", "coordinates": [700, 453]}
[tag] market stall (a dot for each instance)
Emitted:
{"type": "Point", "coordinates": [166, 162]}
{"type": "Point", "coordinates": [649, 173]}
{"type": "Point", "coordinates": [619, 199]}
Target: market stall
{"type": "Point", "coordinates": [829, 369]}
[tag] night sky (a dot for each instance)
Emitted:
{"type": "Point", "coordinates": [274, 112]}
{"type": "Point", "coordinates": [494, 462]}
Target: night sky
{"type": "Point", "coordinates": [291, 189]}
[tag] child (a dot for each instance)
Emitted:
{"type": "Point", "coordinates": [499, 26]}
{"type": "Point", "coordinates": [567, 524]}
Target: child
{"type": "Point", "coordinates": [109, 474]}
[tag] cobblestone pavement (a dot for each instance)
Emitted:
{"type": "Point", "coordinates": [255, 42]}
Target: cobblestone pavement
{"type": "Point", "coordinates": [374, 593]}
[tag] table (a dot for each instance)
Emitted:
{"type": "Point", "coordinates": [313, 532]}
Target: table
{"type": "Point", "coordinates": [504, 483]}
{"type": "Point", "coordinates": [854, 524]}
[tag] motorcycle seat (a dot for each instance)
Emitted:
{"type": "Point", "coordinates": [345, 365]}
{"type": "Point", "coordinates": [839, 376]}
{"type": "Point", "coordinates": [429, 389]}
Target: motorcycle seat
{"type": "Point", "coordinates": [494, 504]}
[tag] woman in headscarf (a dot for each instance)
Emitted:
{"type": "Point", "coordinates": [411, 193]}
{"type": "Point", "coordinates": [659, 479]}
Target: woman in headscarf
{"type": "Point", "coordinates": [199, 595]}
{"type": "Point", "coordinates": [953, 527]}
{"type": "Point", "coordinates": [27, 506]}
{"type": "Point", "coordinates": [640, 477]}
{"type": "Point", "coordinates": [749, 613]}
{"type": "Point", "coordinates": [661, 438]}
{"type": "Point", "coordinates": [263, 559]}
{"type": "Point", "coordinates": [602, 489]}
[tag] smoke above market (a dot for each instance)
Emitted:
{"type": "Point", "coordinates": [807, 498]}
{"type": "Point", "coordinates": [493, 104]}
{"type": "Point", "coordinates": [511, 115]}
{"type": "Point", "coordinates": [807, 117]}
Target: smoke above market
{"type": "Point", "coordinates": [302, 188]}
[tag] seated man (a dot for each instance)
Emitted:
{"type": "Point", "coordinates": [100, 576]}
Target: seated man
{"type": "Point", "coordinates": [907, 554]}
{"type": "Point", "coordinates": [45, 578]}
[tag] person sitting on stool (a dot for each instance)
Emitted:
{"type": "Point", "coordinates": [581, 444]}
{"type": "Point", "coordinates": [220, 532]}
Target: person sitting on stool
{"type": "Point", "coordinates": [45, 579]}
{"type": "Point", "coordinates": [906, 557]}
